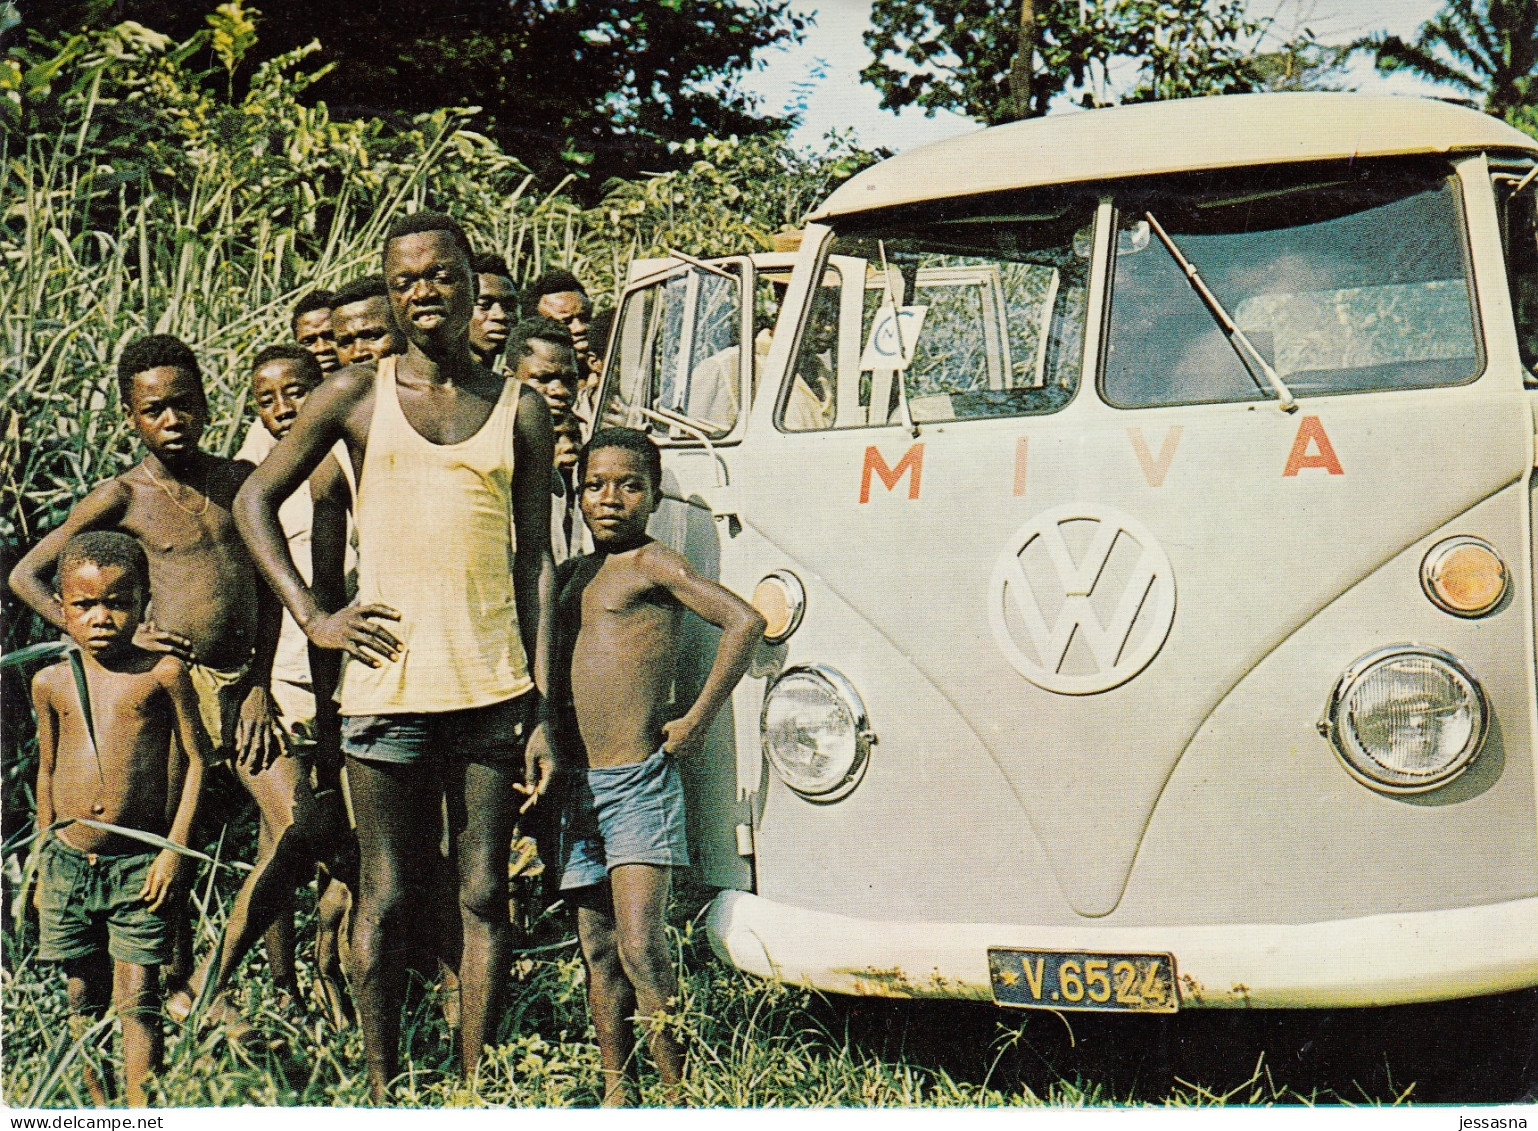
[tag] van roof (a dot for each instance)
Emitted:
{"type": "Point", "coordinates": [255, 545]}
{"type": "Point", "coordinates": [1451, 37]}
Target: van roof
{"type": "Point", "coordinates": [1167, 137]}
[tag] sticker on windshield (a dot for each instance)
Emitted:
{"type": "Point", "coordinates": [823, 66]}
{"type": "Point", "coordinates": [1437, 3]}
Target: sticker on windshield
{"type": "Point", "coordinates": [894, 338]}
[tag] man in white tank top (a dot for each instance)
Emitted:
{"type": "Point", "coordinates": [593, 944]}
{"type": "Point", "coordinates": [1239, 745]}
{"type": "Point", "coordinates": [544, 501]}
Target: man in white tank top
{"type": "Point", "coordinates": [449, 633]}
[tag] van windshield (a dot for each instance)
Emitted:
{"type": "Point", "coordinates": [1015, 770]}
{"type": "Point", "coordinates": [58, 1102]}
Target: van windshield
{"type": "Point", "coordinates": [962, 318]}
{"type": "Point", "coordinates": [1348, 278]}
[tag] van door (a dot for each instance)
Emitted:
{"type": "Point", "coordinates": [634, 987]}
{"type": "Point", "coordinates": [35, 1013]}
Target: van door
{"type": "Point", "coordinates": [678, 371]}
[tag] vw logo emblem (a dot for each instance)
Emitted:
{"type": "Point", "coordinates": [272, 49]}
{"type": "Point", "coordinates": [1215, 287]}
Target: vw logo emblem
{"type": "Point", "coordinates": [1081, 599]}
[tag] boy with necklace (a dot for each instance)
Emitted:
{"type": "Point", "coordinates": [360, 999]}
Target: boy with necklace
{"type": "Point", "coordinates": [207, 605]}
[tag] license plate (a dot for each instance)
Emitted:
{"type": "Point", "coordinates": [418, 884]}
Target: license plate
{"type": "Point", "coordinates": [1068, 979]}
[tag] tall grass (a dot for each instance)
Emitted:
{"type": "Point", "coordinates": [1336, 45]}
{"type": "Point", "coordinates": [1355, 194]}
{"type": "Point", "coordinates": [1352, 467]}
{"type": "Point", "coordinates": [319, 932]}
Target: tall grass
{"type": "Point", "coordinates": [750, 1044]}
{"type": "Point", "coordinates": [140, 200]}
{"type": "Point", "coordinates": [757, 1044]}
{"type": "Point", "coordinates": [93, 260]}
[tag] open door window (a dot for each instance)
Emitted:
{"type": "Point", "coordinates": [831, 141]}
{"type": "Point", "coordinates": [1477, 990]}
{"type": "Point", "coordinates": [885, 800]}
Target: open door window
{"type": "Point", "coordinates": [677, 367]}
{"type": "Point", "coordinates": [1516, 192]}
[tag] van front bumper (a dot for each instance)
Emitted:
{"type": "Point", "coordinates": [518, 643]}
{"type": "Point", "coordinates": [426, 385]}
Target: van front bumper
{"type": "Point", "coordinates": [1378, 960]}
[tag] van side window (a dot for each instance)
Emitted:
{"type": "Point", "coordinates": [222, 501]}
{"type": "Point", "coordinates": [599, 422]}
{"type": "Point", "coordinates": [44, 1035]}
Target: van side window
{"type": "Point", "coordinates": [1345, 278]}
{"type": "Point", "coordinates": [678, 355]}
{"type": "Point", "coordinates": [945, 319]}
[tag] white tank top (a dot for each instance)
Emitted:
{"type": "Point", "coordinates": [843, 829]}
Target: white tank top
{"type": "Point", "coordinates": [434, 543]}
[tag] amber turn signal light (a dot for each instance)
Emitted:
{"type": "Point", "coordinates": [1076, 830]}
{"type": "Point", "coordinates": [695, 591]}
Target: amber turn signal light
{"type": "Point", "coordinates": [780, 599]}
{"type": "Point", "coordinates": [1464, 576]}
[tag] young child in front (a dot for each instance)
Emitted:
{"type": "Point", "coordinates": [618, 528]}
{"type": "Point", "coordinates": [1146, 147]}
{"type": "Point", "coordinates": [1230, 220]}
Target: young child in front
{"type": "Point", "coordinates": [101, 895]}
{"type": "Point", "coordinates": [615, 727]}
{"type": "Point", "coordinates": [209, 607]}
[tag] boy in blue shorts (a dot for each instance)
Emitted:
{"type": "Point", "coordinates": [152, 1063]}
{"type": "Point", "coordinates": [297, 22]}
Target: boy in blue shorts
{"type": "Point", "coordinates": [617, 636]}
{"type": "Point", "coordinates": [101, 895]}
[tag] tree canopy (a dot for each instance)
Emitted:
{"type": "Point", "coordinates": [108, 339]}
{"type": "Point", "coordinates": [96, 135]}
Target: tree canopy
{"type": "Point", "coordinates": [605, 83]}
{"type": "Point", "coordinates": [957, 54]}
{"type": "Point", "coordinates": [1486, 48]}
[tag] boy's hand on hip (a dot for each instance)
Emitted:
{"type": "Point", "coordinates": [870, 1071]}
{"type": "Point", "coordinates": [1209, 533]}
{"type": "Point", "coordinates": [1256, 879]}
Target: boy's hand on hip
{"type": "Point", "coordinates": [356, 631]}
{"type": "Point", "coordinates": [259, 739]}
{"type": "Point", "coordinates": [162, 878]}
{"type": "Point", "coordinates": [683, 737]}
{"type": "Point", "coordinates": [152, 639]}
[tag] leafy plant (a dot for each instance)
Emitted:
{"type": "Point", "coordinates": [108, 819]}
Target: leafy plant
{"type": "Point", "coordinates": [1488, 49]}
{"type": "Point", "coordinates": [600, 87]}
{"type": "Point", "coordinates": [958, 54]}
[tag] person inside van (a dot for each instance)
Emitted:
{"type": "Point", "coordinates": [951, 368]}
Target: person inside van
{"type": "Point", "coordinates": [811, 407]}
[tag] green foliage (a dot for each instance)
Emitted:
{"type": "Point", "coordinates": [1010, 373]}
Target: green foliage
{"type": "Point", "coordinates": [600, 86]}
{"type": "Point", "coordinates": [234, 34]}
{"type": "Point", "coordinates": [135, 198]}
{"type": "Point", "coordinates": [956, 54]}
{"type": "Point", "coordinates": [732, 198]}
{"type": "Point", "coordinates": [1488, 49]}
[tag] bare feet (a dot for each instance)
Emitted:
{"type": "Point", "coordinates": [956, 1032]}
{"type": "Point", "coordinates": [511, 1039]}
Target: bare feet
{"type": "Point", "coordinates": [179, 1005]}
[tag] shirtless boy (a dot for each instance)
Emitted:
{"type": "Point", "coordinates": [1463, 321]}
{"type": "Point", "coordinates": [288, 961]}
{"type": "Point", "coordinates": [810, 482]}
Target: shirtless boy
{"type": "Point", "coordinates": [207, 604]}
{"type": "Point", "coordinates": [617, 637]}
{"type": "Point", "coordinates": [101, 896]}
{"type": "Point", "coordinates": [448, 457]}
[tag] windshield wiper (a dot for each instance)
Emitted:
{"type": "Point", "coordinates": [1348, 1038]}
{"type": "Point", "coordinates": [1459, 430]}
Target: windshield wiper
{"type": "Point", "coordinates": [1236, 336]}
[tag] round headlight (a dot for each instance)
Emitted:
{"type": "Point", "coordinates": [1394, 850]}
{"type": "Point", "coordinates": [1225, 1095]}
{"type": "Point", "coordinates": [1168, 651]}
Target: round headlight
{"type": "Point", "coordinates": [1464, 576]}
{"type": "Point", "coordinates": [780, 599]}
{"type": "Point", "coordinates": [1406, 718]}
{"type": "Point", "coordinates": [815, 732]}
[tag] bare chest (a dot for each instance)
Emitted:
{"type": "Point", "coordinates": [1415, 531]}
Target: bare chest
{"type": "Point", "coordinates": [125, 711]}
{"type": "Point", "coordinates": [172, 531]}
{"type": "Point", "coordinates": [615, 605]}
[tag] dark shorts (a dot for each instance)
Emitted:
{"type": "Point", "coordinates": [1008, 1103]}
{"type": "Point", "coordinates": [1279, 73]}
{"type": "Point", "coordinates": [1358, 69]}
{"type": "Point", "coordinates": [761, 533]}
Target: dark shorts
{"type": "Point", "coordinates": [624, 815]}
{"type": "Point", "coordinates": [89, 903]}
{"type": "Point", "coordinates": [495, 733]}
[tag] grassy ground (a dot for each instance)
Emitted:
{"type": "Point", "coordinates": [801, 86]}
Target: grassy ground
{"type": "Point", "coordinates": [757, 1044]}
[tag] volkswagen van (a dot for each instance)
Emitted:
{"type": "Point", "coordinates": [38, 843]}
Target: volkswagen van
{"type": "Point", "coordinates": [1142, 504]}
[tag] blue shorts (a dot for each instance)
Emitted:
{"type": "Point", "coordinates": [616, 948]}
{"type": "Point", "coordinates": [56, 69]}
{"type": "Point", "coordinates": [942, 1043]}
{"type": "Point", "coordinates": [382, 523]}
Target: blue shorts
{"type": "Point", "coordinates": [624, 815]}
{"type": "Point", "coordinates": [495, 733]}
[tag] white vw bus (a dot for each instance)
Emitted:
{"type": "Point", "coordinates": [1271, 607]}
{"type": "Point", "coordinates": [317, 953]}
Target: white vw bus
{"type": "Point", "coordinates": [1142, 504]}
